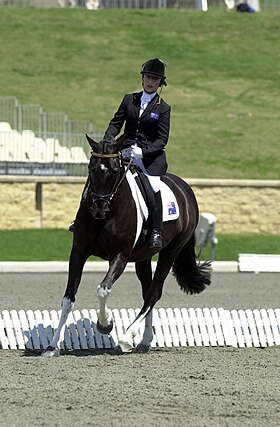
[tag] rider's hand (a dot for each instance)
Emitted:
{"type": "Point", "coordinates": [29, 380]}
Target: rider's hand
{"type": "Point", "coordinates": [136, 152]}
{"type": "Point", "coordinates": [126, 153]}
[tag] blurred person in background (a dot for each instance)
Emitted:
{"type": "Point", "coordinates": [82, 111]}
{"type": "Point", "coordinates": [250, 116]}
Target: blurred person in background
{"type": "Point", "coordinates": [243, 6]}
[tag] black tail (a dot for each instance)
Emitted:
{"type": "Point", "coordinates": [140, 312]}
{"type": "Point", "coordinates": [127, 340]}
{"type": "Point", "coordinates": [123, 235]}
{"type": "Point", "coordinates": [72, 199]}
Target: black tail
{"type": "Point", "coordinates": [191, 276]}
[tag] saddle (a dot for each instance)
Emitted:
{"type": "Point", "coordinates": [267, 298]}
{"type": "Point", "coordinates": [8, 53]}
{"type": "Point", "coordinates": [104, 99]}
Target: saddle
{"type": "Point", "coordinates": [143, 196]}
{"type": "Point", "coordinates": [144, 187]}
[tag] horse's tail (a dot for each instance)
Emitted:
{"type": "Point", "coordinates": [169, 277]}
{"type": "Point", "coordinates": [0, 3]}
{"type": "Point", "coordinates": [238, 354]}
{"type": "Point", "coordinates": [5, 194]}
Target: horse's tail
{"type": "Point", "coordinates": [192, 276]}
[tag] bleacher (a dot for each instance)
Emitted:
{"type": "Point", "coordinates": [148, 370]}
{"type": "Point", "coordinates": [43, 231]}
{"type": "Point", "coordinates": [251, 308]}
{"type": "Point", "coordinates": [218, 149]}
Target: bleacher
{"type": "Point", "coordinates": [38, 142]}
{"type": "Point", "coordinates": [25, 153]}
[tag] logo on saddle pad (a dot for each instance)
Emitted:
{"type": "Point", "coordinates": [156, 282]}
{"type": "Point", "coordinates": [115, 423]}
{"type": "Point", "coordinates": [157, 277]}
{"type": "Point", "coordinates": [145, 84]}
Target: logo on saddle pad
{"type": "Point", "coordinates": [171, 206]}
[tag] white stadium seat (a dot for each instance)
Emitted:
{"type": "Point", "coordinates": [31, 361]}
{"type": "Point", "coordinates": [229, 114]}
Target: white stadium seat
{"type": "Point", "coordinates": [5, 127]}
{"type": "Point", "coordinates": [26, 147]}
{"type": "Point", "coordinates": [78, 155]}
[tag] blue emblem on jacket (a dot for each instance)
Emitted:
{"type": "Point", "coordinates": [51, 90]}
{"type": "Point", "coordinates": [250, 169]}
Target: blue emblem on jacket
{"type": "Point", "coordinates": [154, 116]}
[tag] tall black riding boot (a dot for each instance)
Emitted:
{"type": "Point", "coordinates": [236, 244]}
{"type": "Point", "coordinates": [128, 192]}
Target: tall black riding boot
{"type": "Point", "coordinates": [156, 235]}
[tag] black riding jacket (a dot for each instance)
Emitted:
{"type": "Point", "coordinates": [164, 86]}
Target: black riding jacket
{"type": "Point", "coordinates": [150, 131]}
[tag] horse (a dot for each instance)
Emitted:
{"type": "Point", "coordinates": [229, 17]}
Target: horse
{"type": "Point", "coordinates": [105, 226]}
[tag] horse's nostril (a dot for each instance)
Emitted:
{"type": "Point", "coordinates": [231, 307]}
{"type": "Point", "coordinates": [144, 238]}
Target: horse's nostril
{"type": "Point", "coordinates": [100, 209]}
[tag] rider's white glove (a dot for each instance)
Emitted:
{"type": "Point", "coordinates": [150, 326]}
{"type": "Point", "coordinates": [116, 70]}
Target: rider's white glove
{"type": "Point", "coordinates": [136, 152]}
{"type": "Point", "coordinates": [126, 153]}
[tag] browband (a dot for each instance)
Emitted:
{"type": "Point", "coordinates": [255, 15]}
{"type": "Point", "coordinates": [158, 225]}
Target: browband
{"type": "Point", "coordinates": [105, 156]}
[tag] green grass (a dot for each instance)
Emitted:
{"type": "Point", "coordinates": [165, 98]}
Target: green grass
{"type": "Point", "coordinates": [55, 245]}
{"type": "Point", "coordinates": [229, 246]}
{"type": "Point", "coordinates": [35, 245]}
{"type": "Point", "coordinates": [223, 77]}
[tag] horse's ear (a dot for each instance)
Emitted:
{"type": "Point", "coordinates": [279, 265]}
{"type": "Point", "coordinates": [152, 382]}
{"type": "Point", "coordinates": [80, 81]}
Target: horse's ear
{"type": "Point", "coordinates": [91, 142]}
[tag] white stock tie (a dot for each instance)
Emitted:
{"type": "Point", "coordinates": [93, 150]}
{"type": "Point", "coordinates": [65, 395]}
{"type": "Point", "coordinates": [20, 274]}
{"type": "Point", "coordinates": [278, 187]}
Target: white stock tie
{"type": "Point", "coordinates": [145, 99]}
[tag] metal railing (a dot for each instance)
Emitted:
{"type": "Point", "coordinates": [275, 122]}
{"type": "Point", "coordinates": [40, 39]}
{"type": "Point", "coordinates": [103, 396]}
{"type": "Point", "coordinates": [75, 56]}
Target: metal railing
{"type": "Point", "coordinates": [33, 117]}
{"type": "Point", "coordinates": [265, 5]}
{"type": "Point", "coordinates": [35, 142]}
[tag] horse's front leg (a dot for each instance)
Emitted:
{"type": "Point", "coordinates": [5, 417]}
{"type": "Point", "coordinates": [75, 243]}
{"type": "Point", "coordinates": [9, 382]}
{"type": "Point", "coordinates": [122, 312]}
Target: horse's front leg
{"type": "Point", "coordinates": [54, 348]}
{"type": "Point", "coordinates": [76, 265]}
{"type": "Point", "coordinates": [116, 268]}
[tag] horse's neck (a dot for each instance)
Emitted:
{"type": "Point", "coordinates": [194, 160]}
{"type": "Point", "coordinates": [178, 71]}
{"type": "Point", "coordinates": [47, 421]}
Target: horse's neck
{"type": "Point", "coordinates": [86, 190]}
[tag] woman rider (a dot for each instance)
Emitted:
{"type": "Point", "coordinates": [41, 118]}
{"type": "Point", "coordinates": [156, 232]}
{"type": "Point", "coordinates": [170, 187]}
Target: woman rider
{"type": "Point", "coordinates": [147, 121]}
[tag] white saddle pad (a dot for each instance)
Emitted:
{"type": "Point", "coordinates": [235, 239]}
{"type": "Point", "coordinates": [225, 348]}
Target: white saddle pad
{"type": "Point", "coordinates": [170, 207]}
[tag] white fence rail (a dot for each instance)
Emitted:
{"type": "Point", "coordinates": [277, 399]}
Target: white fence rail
{"type": "Point", "coordinates": [172, 328]}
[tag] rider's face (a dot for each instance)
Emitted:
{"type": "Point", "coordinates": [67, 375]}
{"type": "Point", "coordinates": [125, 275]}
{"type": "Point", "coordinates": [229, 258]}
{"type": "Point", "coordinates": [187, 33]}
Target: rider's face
{"type": "Point", "coordinates": [150, 83]}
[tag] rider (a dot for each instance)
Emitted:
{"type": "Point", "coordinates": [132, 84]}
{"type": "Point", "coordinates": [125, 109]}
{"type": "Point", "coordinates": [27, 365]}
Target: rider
{"type": "Point", "coordinates": [147, 120]}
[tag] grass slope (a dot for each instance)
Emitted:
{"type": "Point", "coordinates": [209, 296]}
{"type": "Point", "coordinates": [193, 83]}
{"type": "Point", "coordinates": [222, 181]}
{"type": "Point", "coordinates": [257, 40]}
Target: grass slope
{"type": "Point", "coordinates": [223, 77]}
{"type": "Point", "coordinates": [55, 245]}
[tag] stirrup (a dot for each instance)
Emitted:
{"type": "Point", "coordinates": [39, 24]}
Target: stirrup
{"type": "Point", "coordinates": [156, 239]}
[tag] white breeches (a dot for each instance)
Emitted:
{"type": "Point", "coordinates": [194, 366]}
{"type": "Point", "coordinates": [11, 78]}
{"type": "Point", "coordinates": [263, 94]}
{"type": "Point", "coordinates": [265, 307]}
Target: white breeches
{"type": "Point", "coordinates": [154, 180]}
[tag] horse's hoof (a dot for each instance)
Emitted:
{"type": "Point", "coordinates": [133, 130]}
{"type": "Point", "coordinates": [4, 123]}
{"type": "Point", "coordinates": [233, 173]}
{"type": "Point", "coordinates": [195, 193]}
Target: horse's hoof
{"type": "Point", "coordinates": [105, 330]}
{"type": "Point", "coordinates": [125, 346]}
{"type": "Point", "coordinates": [143, 348]}
{"type": "Point", "coordinates": [51, 352]}
{"type": "Point", "coordinates": [118, 350]}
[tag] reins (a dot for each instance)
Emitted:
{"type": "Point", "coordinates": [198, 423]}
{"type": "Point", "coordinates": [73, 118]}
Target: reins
{"type": "Point", "coordinates": [122, 178]}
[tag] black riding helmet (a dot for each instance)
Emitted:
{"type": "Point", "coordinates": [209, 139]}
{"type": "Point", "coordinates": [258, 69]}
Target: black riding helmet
{"type": "Point", "coordinates": [155, 67]}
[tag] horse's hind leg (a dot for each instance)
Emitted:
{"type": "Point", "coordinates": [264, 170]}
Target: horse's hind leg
{"type": "Point", "coordinates": [144, 274]}
{"type": "Point", "coordinates": [76, 265]}
{"type": "Point", "coordinates": [165, 261]}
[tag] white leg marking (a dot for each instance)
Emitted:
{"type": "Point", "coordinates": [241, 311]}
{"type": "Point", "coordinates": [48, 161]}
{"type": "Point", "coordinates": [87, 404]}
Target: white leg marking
{"type": "Point", "coordinates": [59, 333]}
{"type": "Point", "coordinates": [103, 315]}
{"type": "Point", "coordinates": [148, 331]}
{"type": "Point", "coordinates": [126, 342]}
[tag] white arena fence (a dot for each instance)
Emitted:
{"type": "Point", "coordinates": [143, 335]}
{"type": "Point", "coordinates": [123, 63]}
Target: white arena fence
{"type": "Point", "coordinates": [34, 330]}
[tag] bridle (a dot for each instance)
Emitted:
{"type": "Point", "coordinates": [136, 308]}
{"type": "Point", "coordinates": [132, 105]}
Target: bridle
{"type": "Point", "coordinates": [109, 196]}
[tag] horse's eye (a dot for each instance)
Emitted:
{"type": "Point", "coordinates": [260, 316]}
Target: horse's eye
{"type": "Point", "coordinates": [91, 168]}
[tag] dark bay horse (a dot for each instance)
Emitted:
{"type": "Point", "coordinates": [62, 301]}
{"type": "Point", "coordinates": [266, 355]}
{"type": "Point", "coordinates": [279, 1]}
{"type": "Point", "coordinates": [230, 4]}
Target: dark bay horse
{"type": "Point", "coordinates": [105, 226]}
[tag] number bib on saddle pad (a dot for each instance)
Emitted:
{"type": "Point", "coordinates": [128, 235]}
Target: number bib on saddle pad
{"type": "Point", "coordinates": [170, 208]}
